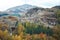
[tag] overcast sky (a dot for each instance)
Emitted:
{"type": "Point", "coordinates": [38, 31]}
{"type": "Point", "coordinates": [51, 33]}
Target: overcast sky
{"type": "Point", "coordinates": [5, 4]}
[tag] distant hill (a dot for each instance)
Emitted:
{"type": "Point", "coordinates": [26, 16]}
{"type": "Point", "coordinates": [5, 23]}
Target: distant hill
{"type": "Point", "coordinates": [33, 13]}
{"type": "Point", "coordinates": [22, 8]}
{"type": "Point", "coordinates": [58, 7]}
{"type": "Point", "coordinates": [27, 9]}
{"type": "Point", "coordinates": [3, 14]}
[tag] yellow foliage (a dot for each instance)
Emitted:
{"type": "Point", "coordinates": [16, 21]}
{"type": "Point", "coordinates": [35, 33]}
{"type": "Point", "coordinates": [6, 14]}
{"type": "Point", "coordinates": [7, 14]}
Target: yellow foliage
{"type": "Point", "coordinates": [17, 37]}
{"type": "Point", "coordinates": [12, 37]}
{"type": "Point", "coordinates": [0, 25]}
{"type": "Point", "coordinates": [1, 33]}
{"type": "Point", "coordinates": [21, 34]}
{"type": "Point", "coordinates": [5, 32]}
{"type": "Point", "coordinates": [20, 28]}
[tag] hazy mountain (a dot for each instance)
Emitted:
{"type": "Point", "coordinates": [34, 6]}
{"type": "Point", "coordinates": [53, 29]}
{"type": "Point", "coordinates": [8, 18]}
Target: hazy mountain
{"type": "Point", "coordinates": [22, 8]}
{"type": "Point", "coordinates": [19, 10]}
{"type": "Point", "coordinates": [3, 14]}
{"type": "Point", "coordinates": [58, 7]}
{"type": "Point", "coordinates": [27, 10]}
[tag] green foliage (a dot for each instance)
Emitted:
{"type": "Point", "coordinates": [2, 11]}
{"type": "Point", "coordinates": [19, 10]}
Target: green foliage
{"type": "Point", "coordinates": [32, 28]}
{"type": "Point", "coordinates": [58, 16]}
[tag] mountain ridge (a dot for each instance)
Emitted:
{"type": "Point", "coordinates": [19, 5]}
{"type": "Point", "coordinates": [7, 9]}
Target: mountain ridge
{"type": "Point", "coordinates": [26, 8]}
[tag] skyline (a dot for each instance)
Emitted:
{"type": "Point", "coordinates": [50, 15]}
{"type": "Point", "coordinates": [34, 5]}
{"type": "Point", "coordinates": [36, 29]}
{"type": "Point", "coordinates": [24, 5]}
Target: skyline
{"type": "Point", "coordinates": [5, 4]}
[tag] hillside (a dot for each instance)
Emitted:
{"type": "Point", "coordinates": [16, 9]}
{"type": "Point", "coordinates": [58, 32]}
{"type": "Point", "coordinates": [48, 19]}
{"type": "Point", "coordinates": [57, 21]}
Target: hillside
{"type": "Point", "coordinates": [33, 14]}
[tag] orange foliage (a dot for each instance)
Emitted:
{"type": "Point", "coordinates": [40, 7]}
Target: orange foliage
{"type": "Point", "coordinates": [42, 35]}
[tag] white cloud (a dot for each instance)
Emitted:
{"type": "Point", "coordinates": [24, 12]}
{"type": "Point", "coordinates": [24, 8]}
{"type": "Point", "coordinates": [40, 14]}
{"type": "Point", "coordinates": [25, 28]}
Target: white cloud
{"type": "Point", "coordinates": [44, 3]}
{"type": "Point", "coordinates": [5, 4]}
